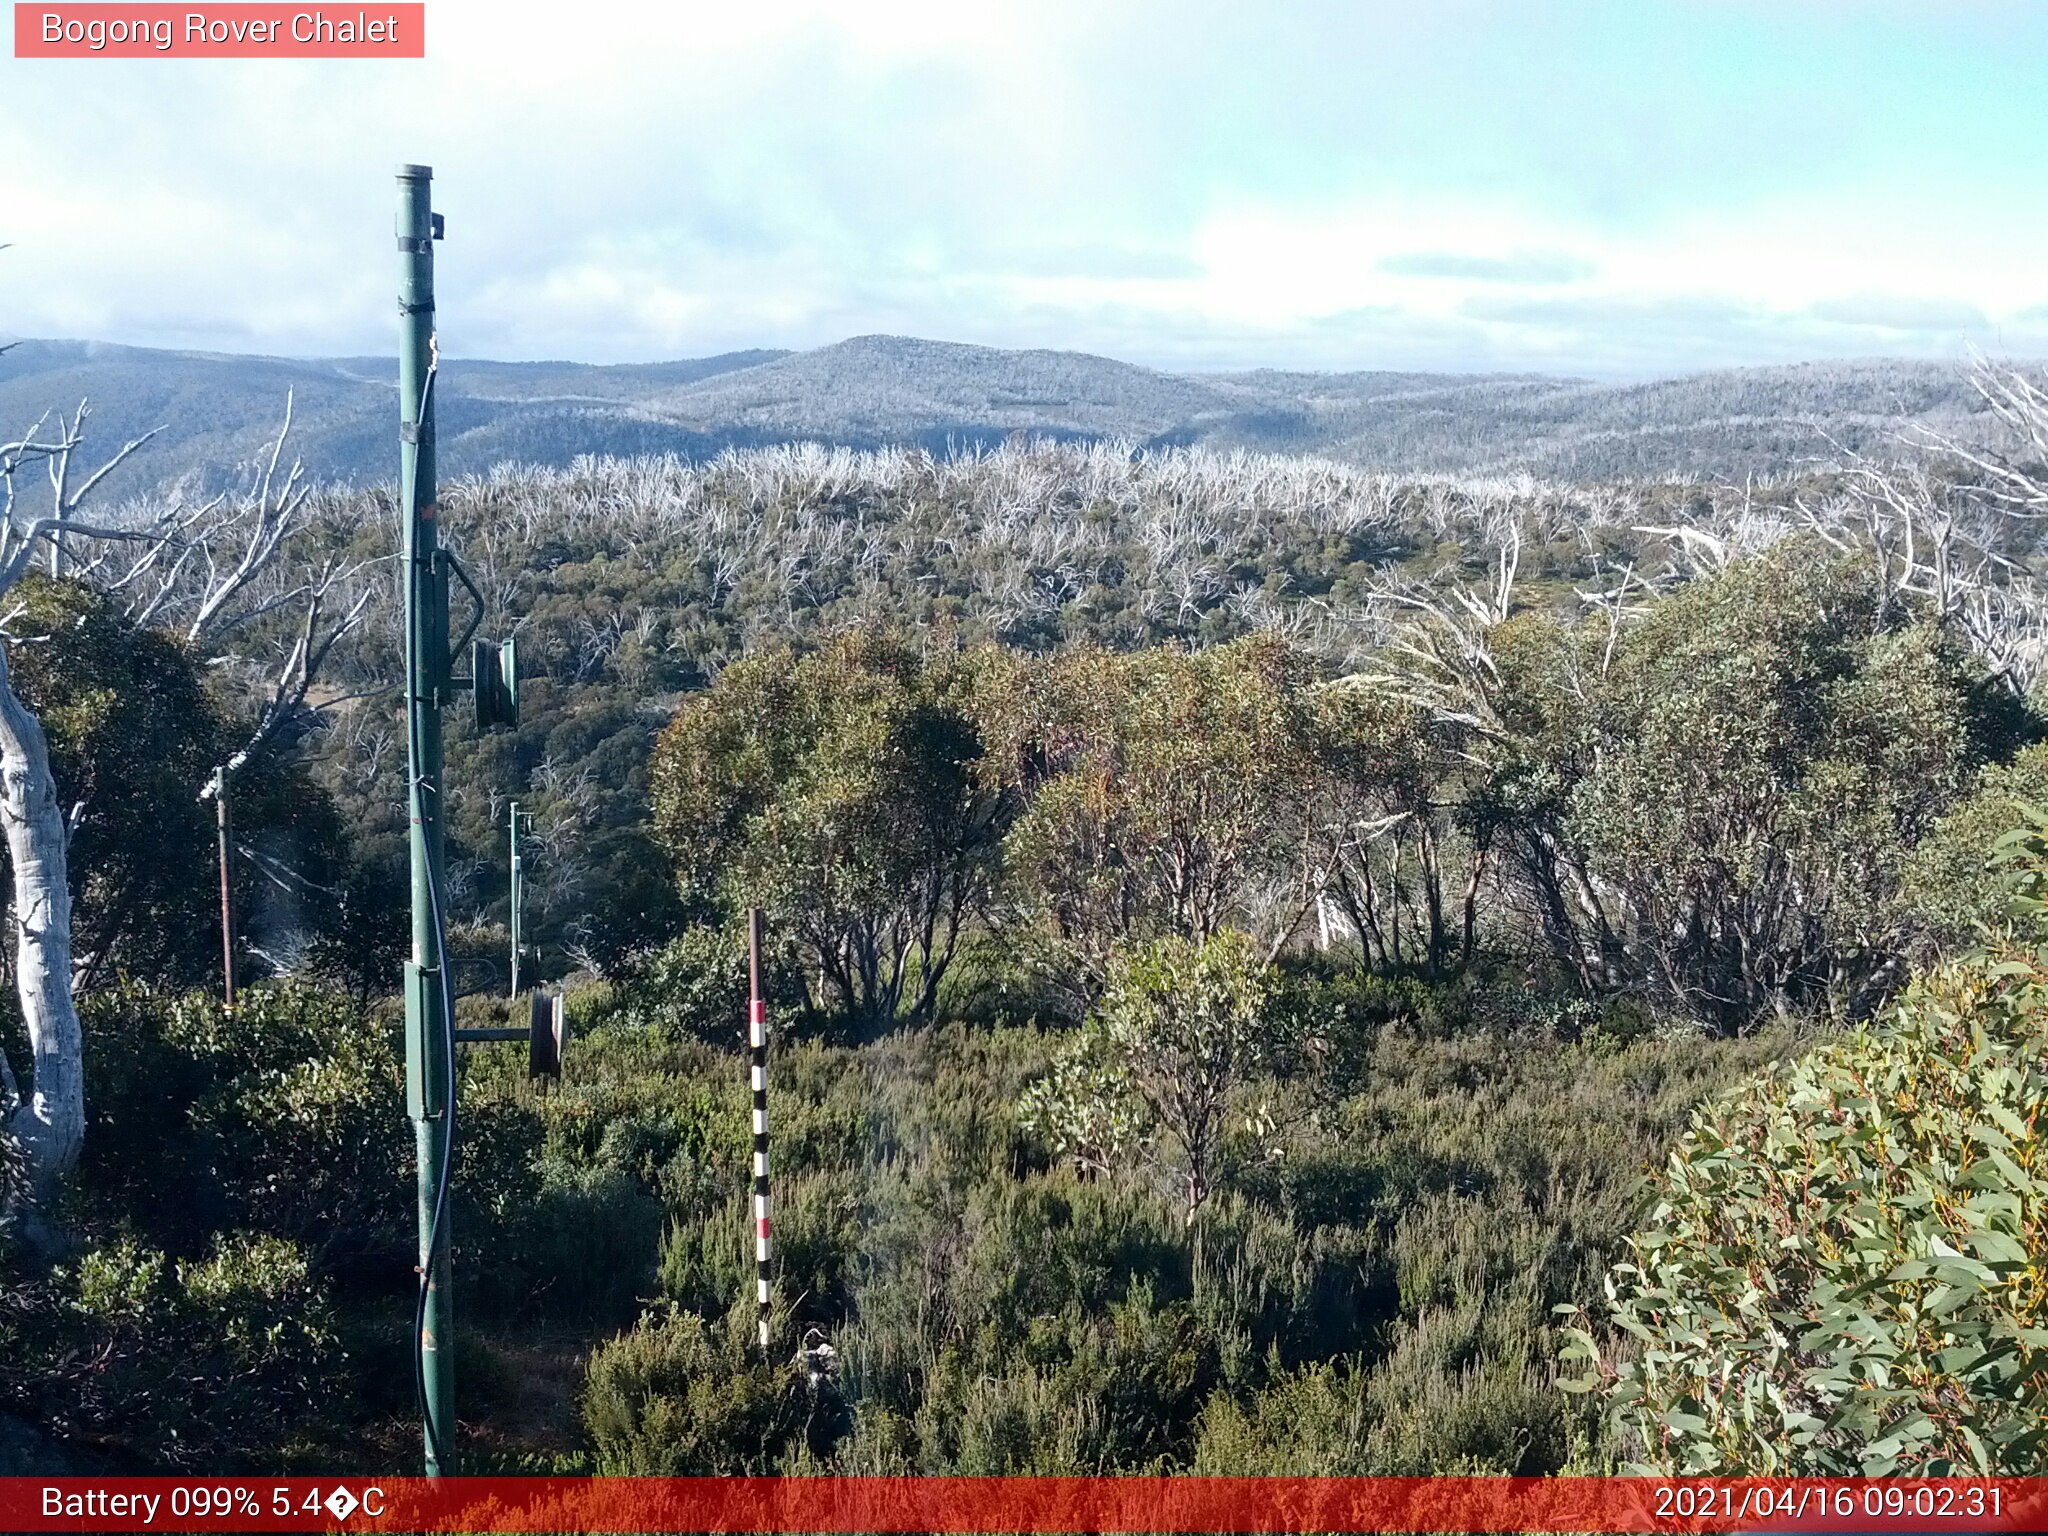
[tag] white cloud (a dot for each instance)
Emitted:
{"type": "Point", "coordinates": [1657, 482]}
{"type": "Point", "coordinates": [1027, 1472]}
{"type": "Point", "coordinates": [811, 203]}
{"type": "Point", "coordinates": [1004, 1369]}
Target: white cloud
{"type": "Point", "coordinates": [1170, 182]}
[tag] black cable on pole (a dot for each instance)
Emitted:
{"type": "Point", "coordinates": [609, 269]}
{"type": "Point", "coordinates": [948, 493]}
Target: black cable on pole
{"type": "Point", "coordinates": [443, 1177]}
{"type": "Point", "coordinates": [436, 1440]}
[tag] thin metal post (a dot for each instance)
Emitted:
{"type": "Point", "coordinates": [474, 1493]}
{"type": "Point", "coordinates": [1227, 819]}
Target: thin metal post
{"type": "Point", "coordinates": [429, 1049]}
{"type": "Point", "coordinates": [227, 897]}
{"type": "Point", "coordinates": [518, 895]}
{"type": "Point", "coordinates": [757, 1056]}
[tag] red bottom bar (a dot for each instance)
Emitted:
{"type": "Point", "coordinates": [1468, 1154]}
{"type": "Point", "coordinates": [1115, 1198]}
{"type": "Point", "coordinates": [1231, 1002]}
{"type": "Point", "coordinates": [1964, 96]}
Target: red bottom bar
{"type": "Point", "coordinates": [893, 1504]}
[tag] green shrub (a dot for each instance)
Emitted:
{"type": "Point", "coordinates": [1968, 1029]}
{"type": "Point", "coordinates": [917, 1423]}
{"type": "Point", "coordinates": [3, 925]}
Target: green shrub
{"type": "Point", "coordinates": [707, 1256]}
{"type": "Point", "coordinates": [1150, 1077]}
{"type": "Point", "coordinates": [996, 983]}
{"type": "Point", "coordinates": [1331, 1017]}
{"type": "Point", "coordinates": [206, 1363]}
{"type": "Point", "coordinates": [14, 1191]}
{"type": "Point", "coordinates": [679, 1396]}
{"type": "Point", "coordinates": [1841, 1274]}
{"type": "Point", "coordinates": [645, 1123]}
{"type": "Point", "coordinates": [1079, 1392]}
{"type": "Point", "coordinates": [284, 1116]}
{"type": "Point", "coordinates": [1954, 884]}
{"type": "Point", "coordinates": [1309, 1424]}
{"type": "Point", "coordinates": [695, 986]}
{"type": "Point", "coordinates": [318, 1149]}
{"type": "Point", "coordinates": [1740, 777]}
{"type": "Point", "coordinates": [844, 790]}
{"type": "Point", "coordinates": [1433, 1407]}
{"type": "Point", "coordinates": [585, 1247]}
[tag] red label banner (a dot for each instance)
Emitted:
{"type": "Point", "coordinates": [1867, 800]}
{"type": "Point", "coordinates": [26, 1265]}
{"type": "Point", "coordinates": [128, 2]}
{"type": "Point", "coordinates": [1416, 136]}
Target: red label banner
{"type": "Point", "coordinates": [233, 31]}
{"type": "Point", "coordinates": [905, 1504]}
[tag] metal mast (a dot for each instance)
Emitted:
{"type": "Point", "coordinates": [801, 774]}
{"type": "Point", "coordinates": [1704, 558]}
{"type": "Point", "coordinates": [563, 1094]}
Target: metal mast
{"type": "Point", "coordinates": [429, 1024]}
{"type": "Point", "coordinates": [430, 683]}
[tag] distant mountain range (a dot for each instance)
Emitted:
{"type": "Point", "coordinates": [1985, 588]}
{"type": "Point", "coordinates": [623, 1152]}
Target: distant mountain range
{"type": "Point", "coordinates": [218, 409]}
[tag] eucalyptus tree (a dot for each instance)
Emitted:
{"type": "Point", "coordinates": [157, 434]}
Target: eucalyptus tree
{"type": "Point", "coordinates": [1160, 795]}
{"type": "Point", "coordinates": [847, 791]}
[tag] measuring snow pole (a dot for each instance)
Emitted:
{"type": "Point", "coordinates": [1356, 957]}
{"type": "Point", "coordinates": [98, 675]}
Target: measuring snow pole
{"type": "Point", "coordinates": [430, 683]}
{"type": "Point", "coordinates": [757, 1049]}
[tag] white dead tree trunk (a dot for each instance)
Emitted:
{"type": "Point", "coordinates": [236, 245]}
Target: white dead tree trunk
{"type": "Point", "coordinates": [1947, 528]}
{"type": "Point", "coordinates": [47, 1115]}
{"type": "Point", "coordinates": [206, 570]}
{"type": "Point", "coordinates": [49, 1120]}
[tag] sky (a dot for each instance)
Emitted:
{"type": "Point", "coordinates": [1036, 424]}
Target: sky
{"type": "Point", "coordinates": [1618, 189]}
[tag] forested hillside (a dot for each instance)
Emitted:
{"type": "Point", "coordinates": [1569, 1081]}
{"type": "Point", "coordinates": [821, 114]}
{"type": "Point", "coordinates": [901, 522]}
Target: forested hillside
{"type": "Point", "coordinates": [217, 412]}
{"type": "Point", "coordinates": [1242, 929]}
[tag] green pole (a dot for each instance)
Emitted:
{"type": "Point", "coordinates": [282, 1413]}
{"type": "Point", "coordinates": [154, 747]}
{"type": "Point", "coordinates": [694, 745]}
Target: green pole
{"type": "Point", "coordinates": [518, 897]}
{"type": "Point", "coordinates": [223, 826]}
{"type": "Point", "coordinates": [429, 1052]}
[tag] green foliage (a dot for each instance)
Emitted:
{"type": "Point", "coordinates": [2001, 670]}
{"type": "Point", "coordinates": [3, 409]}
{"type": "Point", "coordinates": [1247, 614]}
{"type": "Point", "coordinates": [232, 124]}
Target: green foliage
{"type": "Point", "coordinates": [203, 1363]}
{"type": "Point", "coordinates": [1160, 785]}
{"type": "Point", "coordinates": [281, 1116]}
{"type": "Point", "coordinates": [996, 1311]}
{"type": "Point", "coordinates": [132, 739]}
{"type": "Point", "coordinates": [581, 1246]}
{"type": "Point", "coordinates": [1405, 1151]}
{"type": "Point", "coordinates": [15, 1191]}
{"type": "Point", "coordinates": [1401, 822]}
{"type": "Point", "coordinates": [1333, 1015]}
{"type": "Point", "coordinates": [1843, 1270]}
{"type": "Point", "coordinates": [1956, 886]}
{"type": "Point", "coordinates": [1710, 806]}
{"type": "Point", "coordinates": [1083, 1395]}
{"type": "Point", "coordinates": [261, 1159]}
{"type": "Point", "coordinates": [1004, 979]}
{"type": "Point", "coordinates": [1178, 1031]}
{"type": "Point", "coordinates": [680, 1397]}
{"type": "Point", "coordinates": [1412, 1418]}
{"type": "Point", "coordinates": [1719, 810]}
{"type": "Point", "coordinates": [844, 792]}
{"type": "Point", "coordinates": [134, 734]}
{"type": "Point", "coordinates": [694, 987]}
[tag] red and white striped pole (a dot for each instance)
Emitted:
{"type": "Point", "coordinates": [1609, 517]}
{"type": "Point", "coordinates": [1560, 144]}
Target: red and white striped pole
{"type": "Point", "coordinates": [757, 1052]}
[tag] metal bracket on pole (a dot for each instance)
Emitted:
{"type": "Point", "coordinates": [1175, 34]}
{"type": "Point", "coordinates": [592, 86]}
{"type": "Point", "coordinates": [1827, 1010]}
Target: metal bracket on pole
{"type": "Point", "coordinates": [494, 674]}
{"type": "Point", "coordinates": [547, 1034]}
{"type": "Point", "coordinates": [422, 1006]}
